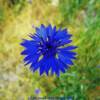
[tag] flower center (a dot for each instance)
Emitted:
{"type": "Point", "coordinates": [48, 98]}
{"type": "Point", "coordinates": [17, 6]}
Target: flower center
{"type": "Point", "coordinates": [49, 46]}
{"type": "Point", "coordinates": [48, 49]}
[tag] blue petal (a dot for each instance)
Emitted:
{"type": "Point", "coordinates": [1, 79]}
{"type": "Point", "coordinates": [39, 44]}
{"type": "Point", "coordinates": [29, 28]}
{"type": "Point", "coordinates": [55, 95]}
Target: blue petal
{"type": "Point", "coordinates": [51, 31]}
{"type": "Point", "coordinates": [42, 31]}
{"type": "Point", "coordinates": [68, 54]}
{"type": "Point", "coordinates": [35, 37]}
{"type": "Point", "coordinates": [71, 47]}
{"type": "Point", "coordinates": [28, 62]}
{"type": "Point", "coordinates": [62, 34]}
{"type": "Point", "coordinates": [25, 52]}
{"type": "Point", "coordinates": [29, 51]}
{"type": "Point", "coordinates": [61, 65]}
{"type": "Point", "coordinates": [65, 59]}
{"type": "Point", "coordinates": [31, 59]}
{"type": "Point", "coordinates": [68, 48]}
{"type": "Point", "coordinates": [28, 57]}
{"type": "Point", "coordinates": [42, 66]}
{"type": "Point", "coordinates": [31, 47]}
{"type": "Point", "coordinates": [34, 66]}
{"type": "Point", "coordinates": [47, 65]}
{"type": "Point", "coordinates": [28, 43]}
{"type": "Point", "coordinates": [64, 42]}
{"type": "Point", "coordinates": [42, 69]}
{"type": "Point", "coordinates": [54, 66]}
{"type": "Point", "coordinates": [54, 31]}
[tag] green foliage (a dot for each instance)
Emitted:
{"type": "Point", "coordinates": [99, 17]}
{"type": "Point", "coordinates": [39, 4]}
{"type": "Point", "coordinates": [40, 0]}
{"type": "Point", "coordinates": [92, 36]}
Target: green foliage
{"type": "Point", "coordinates": [2, 17]}
{"type": "Point", "coordinates": [69, 8]}
{"type": "Point", "coordinates": [17, 5]}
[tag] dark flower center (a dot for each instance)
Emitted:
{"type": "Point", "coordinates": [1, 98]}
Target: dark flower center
{"type": "Point", "coordinates": [49, 46]}
{"type": "Point", "coordinates": [48, 49]}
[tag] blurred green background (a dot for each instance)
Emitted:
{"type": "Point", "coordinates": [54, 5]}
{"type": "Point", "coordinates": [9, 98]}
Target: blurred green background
{"type": "Point", "coordinates": [81, 18]}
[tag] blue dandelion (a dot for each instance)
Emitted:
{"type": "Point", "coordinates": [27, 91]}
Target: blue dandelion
{"type": "Point", "coordinates": [49, 50]}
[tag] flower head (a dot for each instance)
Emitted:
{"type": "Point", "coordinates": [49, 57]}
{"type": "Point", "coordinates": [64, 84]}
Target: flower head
{"type": "Point", "coordinates": [48, 50]}
{"type": "Point", "coordinates": [37, 91]}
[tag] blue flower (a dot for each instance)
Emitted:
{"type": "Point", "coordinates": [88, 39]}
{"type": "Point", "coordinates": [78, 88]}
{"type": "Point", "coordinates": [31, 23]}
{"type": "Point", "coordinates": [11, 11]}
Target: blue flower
{"type": "Point", "coordinates": [49, 50]}
{"type": "Point", "coordinates": [37, 91]}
